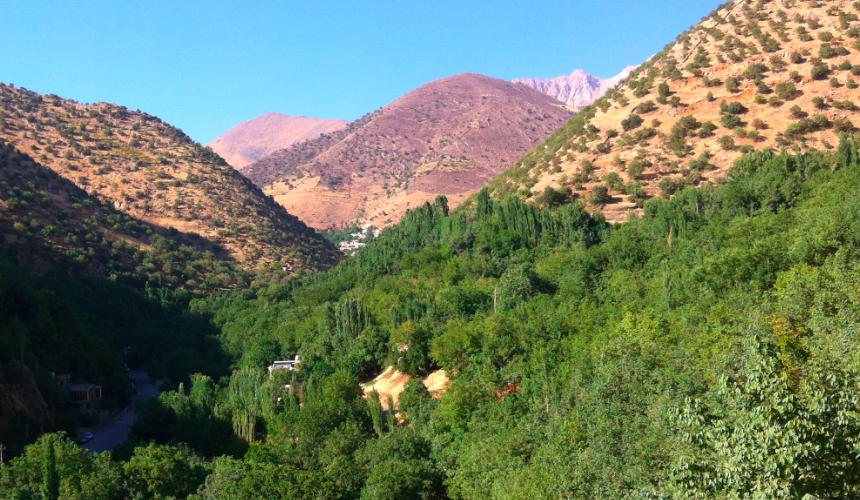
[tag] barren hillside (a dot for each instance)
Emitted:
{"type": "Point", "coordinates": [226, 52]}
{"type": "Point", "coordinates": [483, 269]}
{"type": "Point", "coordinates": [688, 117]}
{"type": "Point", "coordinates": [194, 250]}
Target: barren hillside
{"type": "Point", "coordinates": [448, 137]}
{"type": "Point", "coordinates": [752, 75]}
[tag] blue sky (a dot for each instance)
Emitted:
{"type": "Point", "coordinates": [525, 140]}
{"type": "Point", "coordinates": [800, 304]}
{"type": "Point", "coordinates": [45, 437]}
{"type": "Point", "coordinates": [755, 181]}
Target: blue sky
{"type": "Point", "coordinates": [205, 66]}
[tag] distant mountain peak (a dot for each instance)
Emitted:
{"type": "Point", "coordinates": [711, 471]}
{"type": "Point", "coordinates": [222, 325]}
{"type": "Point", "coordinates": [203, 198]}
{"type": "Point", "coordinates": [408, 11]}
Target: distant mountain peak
{"type": "Point", "coordinates": [251, 140]}
{"type": "Point", "coordinates": [578, 89]}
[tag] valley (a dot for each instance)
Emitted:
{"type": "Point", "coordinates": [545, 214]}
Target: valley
{"type": "Point", "coordinates": [642, 287]}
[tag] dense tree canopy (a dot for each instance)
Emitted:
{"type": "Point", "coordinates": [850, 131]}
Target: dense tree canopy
{"type": "Point", "coordinates": [705, 350]}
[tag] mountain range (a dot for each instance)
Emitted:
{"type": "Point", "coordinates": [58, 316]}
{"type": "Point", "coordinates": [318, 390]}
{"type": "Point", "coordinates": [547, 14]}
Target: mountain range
{"type": "Point", "coordinates": [449, 137]}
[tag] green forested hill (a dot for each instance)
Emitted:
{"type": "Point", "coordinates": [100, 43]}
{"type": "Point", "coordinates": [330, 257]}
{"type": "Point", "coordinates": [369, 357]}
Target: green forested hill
{"type": "Point", "coordinates": [705, 350]}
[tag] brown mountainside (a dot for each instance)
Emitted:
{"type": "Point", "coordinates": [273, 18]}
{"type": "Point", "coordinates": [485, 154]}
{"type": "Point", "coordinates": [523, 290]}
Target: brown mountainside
{"type": "Point", "coordinates": [284, 162]}
{"type": "Point", "coordinates": [155, 173]}
{"type": "Point", "coordinates": [752, 75]}
{"type": "Point", "coordinates": [448, 137]}
{"type": "Point", "coordinates": [254, 139]}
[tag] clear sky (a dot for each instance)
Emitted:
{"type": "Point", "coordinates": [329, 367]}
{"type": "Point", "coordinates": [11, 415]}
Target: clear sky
{"type": "Point", "coordinates": [205, 66]}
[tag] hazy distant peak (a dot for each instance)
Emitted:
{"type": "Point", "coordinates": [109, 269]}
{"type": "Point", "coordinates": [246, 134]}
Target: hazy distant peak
{"type": "Point", "coordinates": [578, 89]}
{"type": "Point", "coordinates": [251, 140]}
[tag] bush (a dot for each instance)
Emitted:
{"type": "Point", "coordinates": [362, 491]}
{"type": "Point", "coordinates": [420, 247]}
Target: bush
{"type": "Point", "coordinates": [600, 194]}
{"type": "Point", "coordinates": [636, 194]}
{"type": "Point", "coordinates": [785, 90]}
{"type": "Point", "coordinates": [843, 125]}
{"type": "Point", "coordinates": [820, 71]}
{"type": "Point", "coordinates": [755, 71]}
{"type": "Point", "coordinates": [669, 186]}
{"type": "Point", "coordinates": [733, 108]}
{"type": "Point", "coordinates": [637, 167]}
{"type": "Point", "coordinates": [730, 121]}
{"type": "Point", "coordinates": [732, 85]}
{"type": "Point", "coordinates": [707, 130]}
{"type": "Point", "coordinates": [727, 142]}
{"type": "Point", "coordinates": [614, 181]}
{"type": "Point", "coordinates": [646, 107]}
{"type": "Point", "coordinates": [632, 122]}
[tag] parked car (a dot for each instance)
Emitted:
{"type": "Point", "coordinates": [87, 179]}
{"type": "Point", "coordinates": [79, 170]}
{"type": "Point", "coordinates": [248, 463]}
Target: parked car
{"type": "Point", "coordinates": [86, 438]}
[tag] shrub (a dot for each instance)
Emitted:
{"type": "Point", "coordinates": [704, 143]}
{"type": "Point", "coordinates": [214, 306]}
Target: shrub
{"type": "Point", "coordinates": [599, 194]}
{"type": "Point", "coordinates": [707, 130]}
{"type": "Point", "coordinates": [785, 90]}
{"type": "Point", "coordinates": [637, 167]}
{"type": "Point", "coordinates": [614, 181]}
{"type": "Point", "coordinates": [633, 121]}
{"type": "Point", "coordinates": [727, 142]}
{"type": "Point", "coordinates": [819, 103]}
{"type": "Point", "coordinates": [732, 108]}
{"type": "Point", "coordinates": [797, 112]}
{"type": "Point", "coordinates": [730, 121]}
{"type": "Point", "coordinates": [646, 107]}
{"type": "Point", "coordinates": [636, 194]}
{"type": "Point", "coordinates": [732, 85]}
{"type": "Point", "coordinates": [669, 186]}
{"type": "Point", "coordinates": [843, 125]}
{"type": "Point", "coordinates": [755, 71]}
{"type": "Point", "coordinates": [820, 71]}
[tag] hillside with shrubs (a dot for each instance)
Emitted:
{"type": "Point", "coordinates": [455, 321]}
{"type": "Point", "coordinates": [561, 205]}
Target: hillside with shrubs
{"type": "Point", "coordinates": [47, 222]}
{"type": "Point", "coordinates": [752, 75]}
{"type": "Point", "coordinates": [155, 173]}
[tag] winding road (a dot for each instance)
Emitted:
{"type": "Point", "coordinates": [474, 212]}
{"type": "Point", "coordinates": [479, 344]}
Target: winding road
{"type": "Point", "coordinates": [107, 436]}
